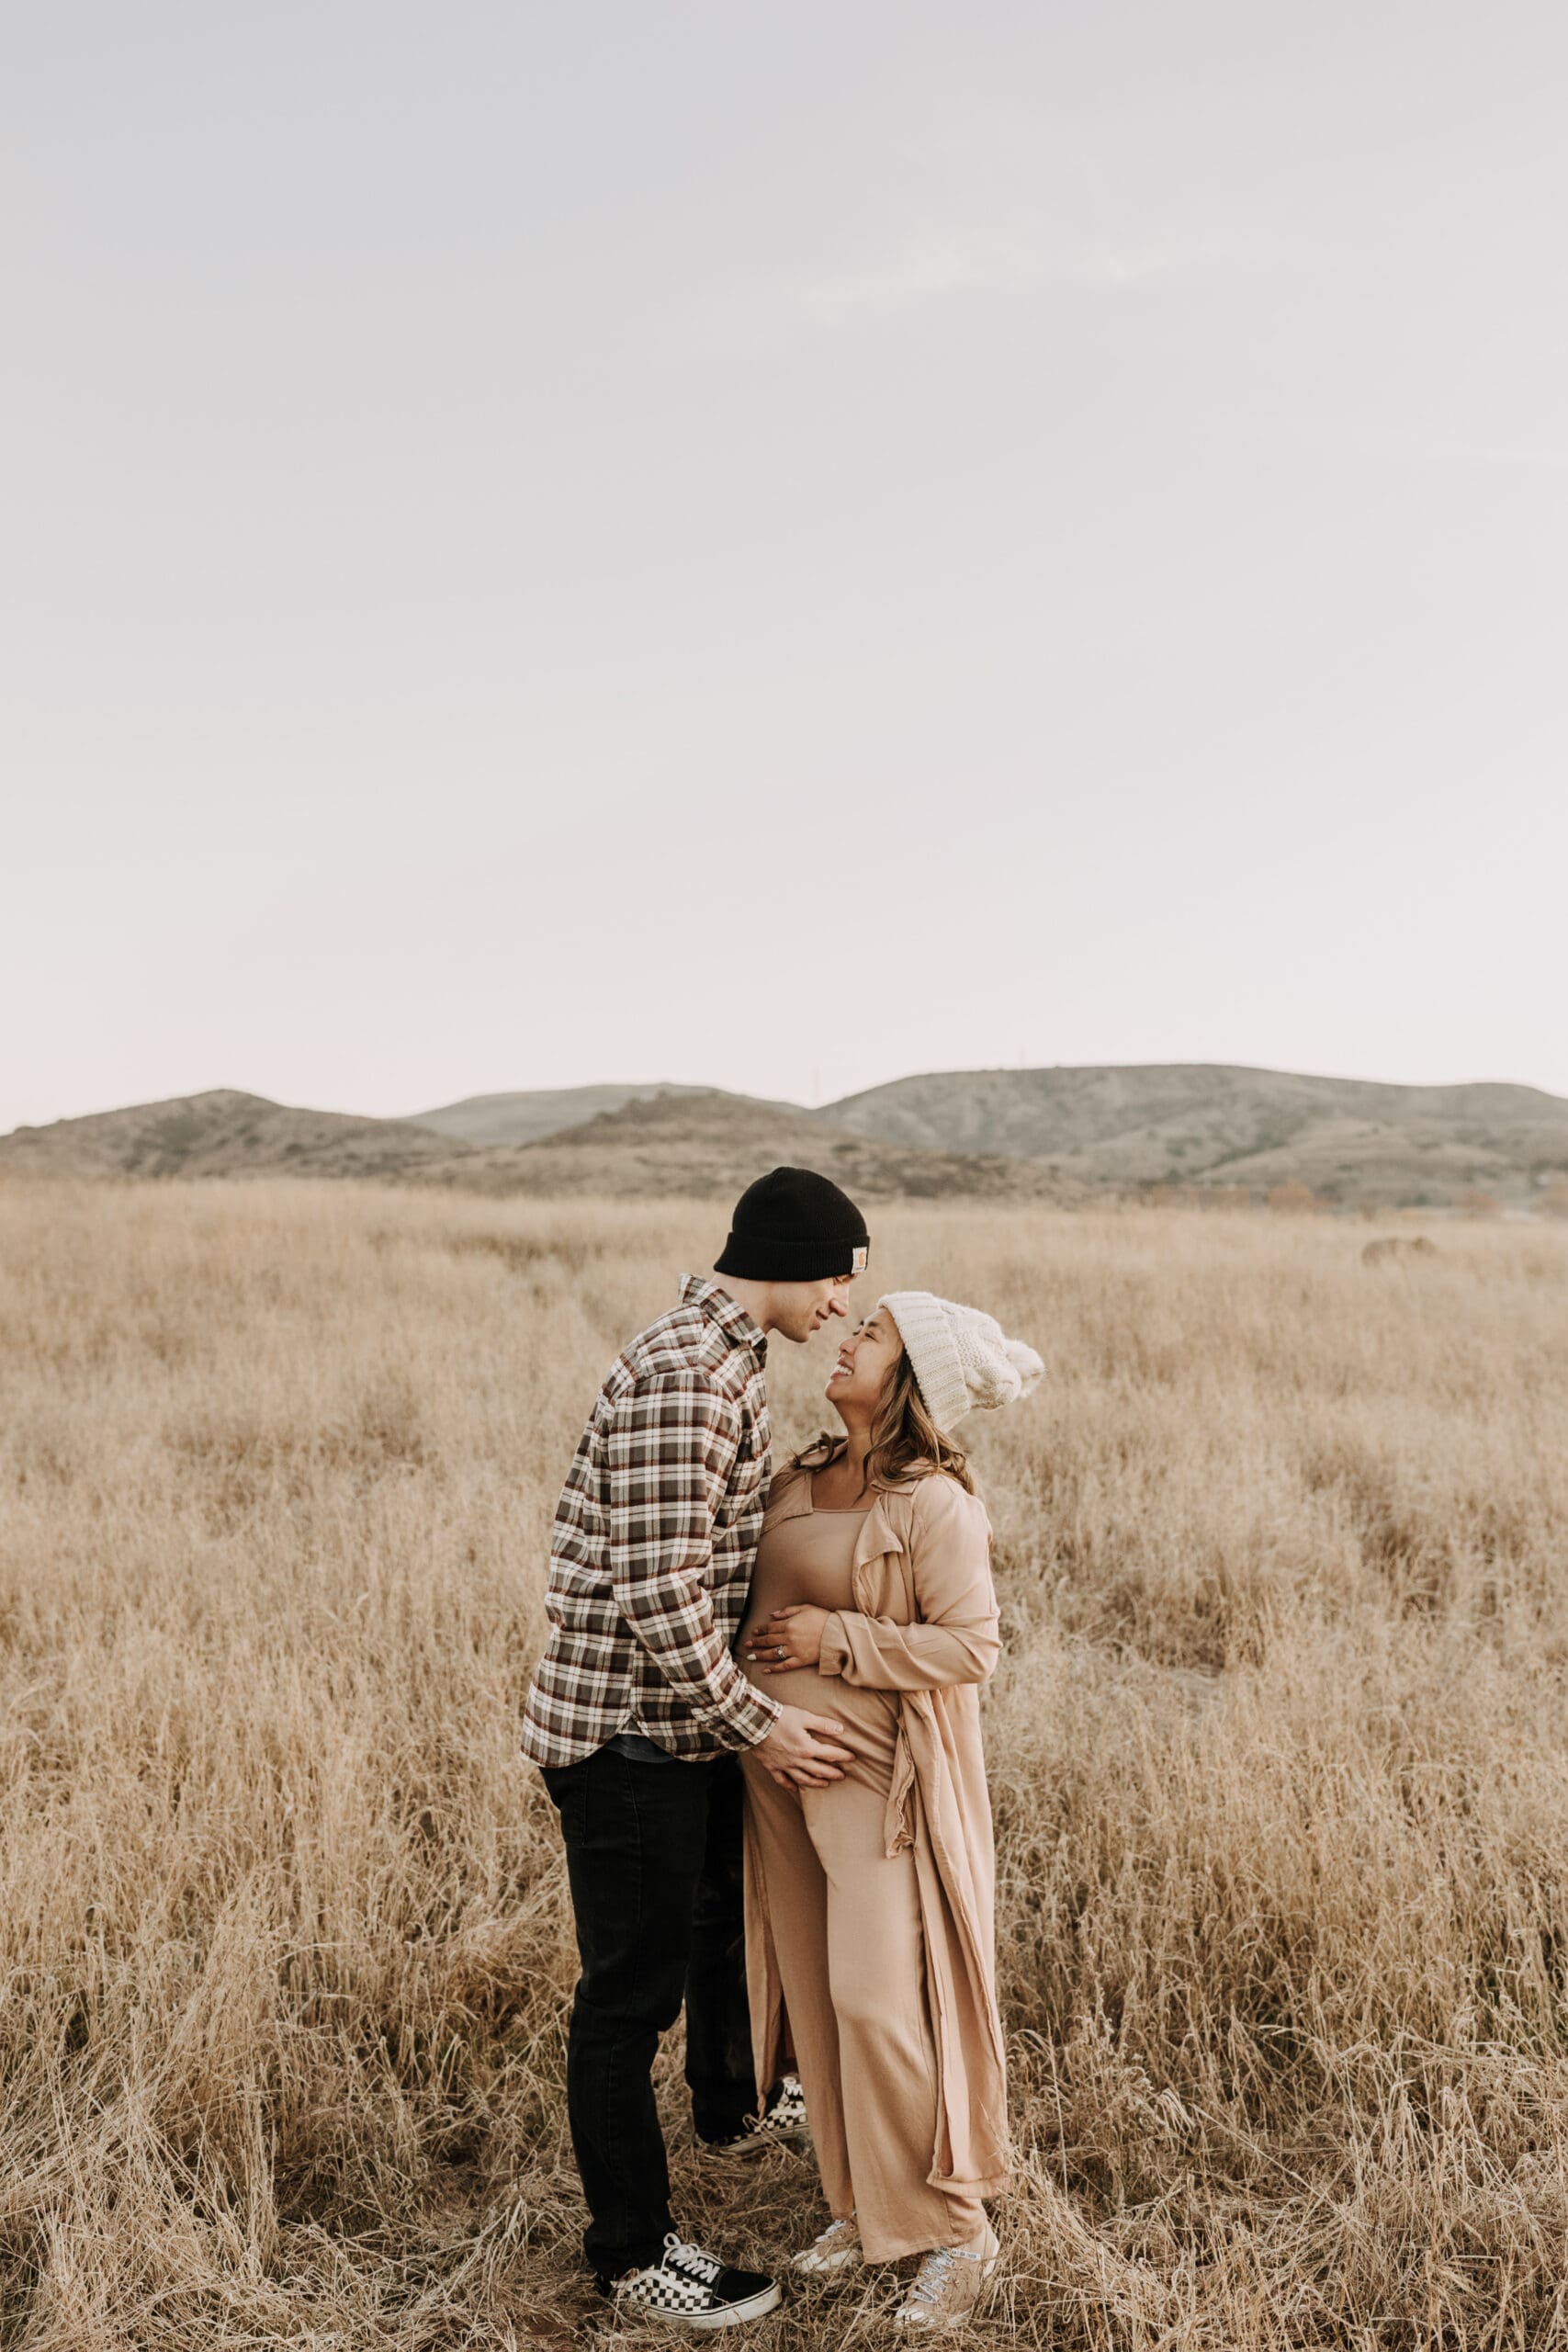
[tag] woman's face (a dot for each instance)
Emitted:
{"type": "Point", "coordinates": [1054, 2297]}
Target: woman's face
{"type": "Point", "coordinates": [866, 1360]}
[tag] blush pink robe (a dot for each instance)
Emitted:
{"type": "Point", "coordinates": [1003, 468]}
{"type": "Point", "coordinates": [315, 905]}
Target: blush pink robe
{"type": "Point", "coordinates": [924, 1625]}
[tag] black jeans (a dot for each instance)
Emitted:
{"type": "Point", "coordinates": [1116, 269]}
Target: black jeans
{"type": "Point", "coordinates": [653, 1856]}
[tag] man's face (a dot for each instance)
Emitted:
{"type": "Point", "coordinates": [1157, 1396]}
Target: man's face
{"type": "Point", "coordinates": [801, 1308]}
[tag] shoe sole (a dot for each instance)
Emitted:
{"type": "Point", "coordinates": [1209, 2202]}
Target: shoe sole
{"type": "Point", "coordinates": [823, 2266]}
{"type": "Point", "coordinates": [743, 2151]}
{"type": "Point", "coordinates": [732, 2315]}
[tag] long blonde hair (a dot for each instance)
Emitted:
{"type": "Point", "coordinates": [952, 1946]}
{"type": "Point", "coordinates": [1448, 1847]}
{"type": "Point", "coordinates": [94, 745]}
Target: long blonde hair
{"type": "Point", "coordinates": [905, 1443]}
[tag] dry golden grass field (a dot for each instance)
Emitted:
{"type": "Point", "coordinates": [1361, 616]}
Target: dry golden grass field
{"type": "Point", "coordinates": [1280, 1754]}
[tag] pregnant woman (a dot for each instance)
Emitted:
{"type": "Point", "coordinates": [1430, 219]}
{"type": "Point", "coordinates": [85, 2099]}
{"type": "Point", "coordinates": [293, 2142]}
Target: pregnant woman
{"type": "Point", "coordinates": [870, 1940]}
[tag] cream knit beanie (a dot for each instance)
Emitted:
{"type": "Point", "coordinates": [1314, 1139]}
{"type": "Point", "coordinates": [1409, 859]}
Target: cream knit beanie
{"type": "Point", "coordinates": [961, 1357]}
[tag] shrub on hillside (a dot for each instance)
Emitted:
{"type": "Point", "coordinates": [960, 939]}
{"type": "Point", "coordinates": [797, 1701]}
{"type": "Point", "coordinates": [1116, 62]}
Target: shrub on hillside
{"type": "Point", "coordinates": [1293, 1199]}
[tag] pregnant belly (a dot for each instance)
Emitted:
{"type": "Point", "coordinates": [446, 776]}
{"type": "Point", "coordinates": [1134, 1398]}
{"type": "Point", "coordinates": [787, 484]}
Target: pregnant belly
{"type": "Point", "coordinates": [867, 1720]}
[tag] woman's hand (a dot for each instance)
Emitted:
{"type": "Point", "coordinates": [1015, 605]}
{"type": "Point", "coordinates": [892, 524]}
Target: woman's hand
{"type": "Point", "coordinates": [791, 1638]}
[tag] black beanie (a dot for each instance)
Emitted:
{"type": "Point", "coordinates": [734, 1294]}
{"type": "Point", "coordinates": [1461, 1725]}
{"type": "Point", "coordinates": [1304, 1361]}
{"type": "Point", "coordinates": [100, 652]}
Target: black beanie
{"type": "Point", "coordinates": [794, 1226]}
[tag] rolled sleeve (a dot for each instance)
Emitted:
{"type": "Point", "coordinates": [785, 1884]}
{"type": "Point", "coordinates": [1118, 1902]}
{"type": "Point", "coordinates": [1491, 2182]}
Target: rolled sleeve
{"type": "Point", "coordinates": [957, 1637]}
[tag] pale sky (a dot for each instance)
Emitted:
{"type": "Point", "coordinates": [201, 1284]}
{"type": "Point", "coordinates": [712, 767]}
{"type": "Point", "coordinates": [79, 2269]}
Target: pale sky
{"type": "Point", "coordinates": [779, 546]}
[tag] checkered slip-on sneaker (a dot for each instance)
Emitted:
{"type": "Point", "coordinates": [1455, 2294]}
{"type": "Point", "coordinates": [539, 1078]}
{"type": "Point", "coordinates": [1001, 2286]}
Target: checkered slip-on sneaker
{"type": "Point", "coordinates": [692, 2289]}
{"type": "Point", "coordinates": [837, 2248]}
{"type": "Point", "coordinates": [948, 2291]}
{"type": "Point", "coordinates": [781, 2124]}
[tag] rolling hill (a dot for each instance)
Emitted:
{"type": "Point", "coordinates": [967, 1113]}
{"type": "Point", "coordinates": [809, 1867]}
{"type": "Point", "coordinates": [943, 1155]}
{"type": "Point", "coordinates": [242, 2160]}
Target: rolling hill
{"type": "Point", "coordinates": [1008, 1134]}
{"type": "Point", "coordinates": [222, 1133]}
{"type": "Point", "coordinates": [1207, 1124]}
{"type": "Point", "coordinates": [688, 1142]}
{"type": "Point", "coordinates": [525, 1117]}
{"type": "Point", "coordinates": [703, 1144]}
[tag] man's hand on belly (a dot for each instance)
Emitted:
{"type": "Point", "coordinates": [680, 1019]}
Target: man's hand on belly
{"type": "Point", "coordinates": [804, 1751]}
{"type": "Point", "coordinates": [791, 1638]}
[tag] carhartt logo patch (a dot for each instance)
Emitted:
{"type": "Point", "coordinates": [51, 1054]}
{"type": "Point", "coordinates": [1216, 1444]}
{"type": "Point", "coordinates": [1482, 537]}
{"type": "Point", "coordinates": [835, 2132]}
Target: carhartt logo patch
{"type": "Point", "coordinates": [862, 1253]}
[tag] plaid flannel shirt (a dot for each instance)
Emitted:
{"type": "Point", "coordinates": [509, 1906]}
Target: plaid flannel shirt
{"type": "Point", "coordinates": [654, 1540]}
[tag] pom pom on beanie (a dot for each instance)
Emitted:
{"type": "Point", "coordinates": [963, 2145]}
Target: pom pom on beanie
{"type": "Point", "coordinates": [962, 1358]}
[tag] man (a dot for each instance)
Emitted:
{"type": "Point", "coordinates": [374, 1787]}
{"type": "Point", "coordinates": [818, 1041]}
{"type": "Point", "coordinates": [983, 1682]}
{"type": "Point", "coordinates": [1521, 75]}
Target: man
{"type": "Point", "coordinates": [637, 1711]}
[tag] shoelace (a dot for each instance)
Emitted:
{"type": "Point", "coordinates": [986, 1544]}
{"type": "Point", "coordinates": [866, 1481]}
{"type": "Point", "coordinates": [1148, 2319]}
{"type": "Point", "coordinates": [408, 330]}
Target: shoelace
{"type": "Point", "coordinates": [690, 2261]}
{"type": "Point", "coordinates": [927, 2287]}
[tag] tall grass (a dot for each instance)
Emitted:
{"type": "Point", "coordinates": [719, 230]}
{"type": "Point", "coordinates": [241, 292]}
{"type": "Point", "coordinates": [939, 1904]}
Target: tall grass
{"type": "Point", "coordinates": [1280, 1754]}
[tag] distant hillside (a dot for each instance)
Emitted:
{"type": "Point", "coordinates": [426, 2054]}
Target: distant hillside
{"type": "Point", "coordinates": [990, 1134]}
{"type": "Point", "coordinates": [688, 1141]}
{"type": "Point", "coordinates": [1209, 1124]}
{"type": "Point", "coordinates": [222, 1133]}
{"type": "Point", "coordinates": [524, 1118]}
{"type": "Point", "coordinates": [712, 1145]}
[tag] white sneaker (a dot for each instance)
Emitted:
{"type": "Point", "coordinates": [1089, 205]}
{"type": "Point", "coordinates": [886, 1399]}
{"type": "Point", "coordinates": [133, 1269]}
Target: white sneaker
{"type": "Point", "coordinates": [692, 2289]}
{"type": "Point", "coordinates": [837, 2248]}
{"type": "Point", "coordinates": [947, 2291]}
